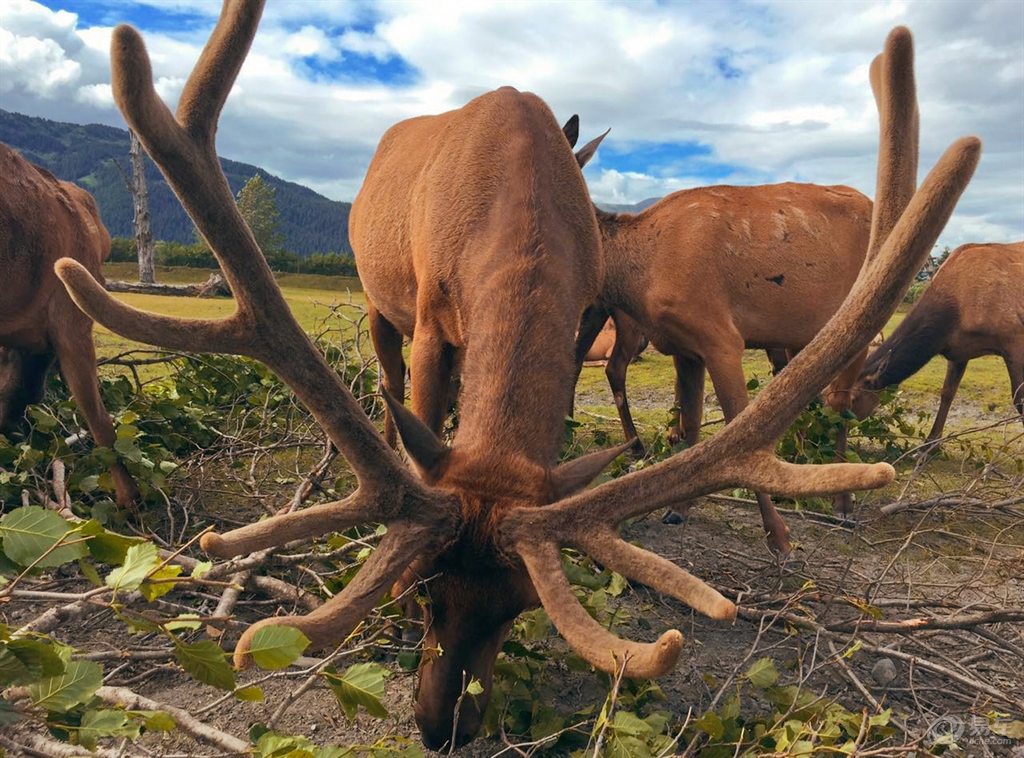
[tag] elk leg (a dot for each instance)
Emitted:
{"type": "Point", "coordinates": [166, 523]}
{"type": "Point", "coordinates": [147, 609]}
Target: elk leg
{"type": "Point", "coordinates": [689, 399]}
{"type": "Point", "coordinates": [591, 323]}
{"type": "Point", "coordinates": [778, 357]}
{"type": "Point", "coordinates": [843, 502]}
{"type": "Point", "coordinates": [77, 358]}
{"type": "Point", "coordinates": [690, 413]}
{"type": "Point", "coordinates": [627, 340]}
{"type": "Point", "coordinates": [22, 382]}
{"type": "Point", "coordinates": [954, 373]}
{"type": "Point", "coordinates": [387, 342]}
{"type": "Point", "coordinates": [1015, 368]}
{"type": "Point", "coordinates": [726, 368]}
{"type": "Point", "coordinates": [432, 360]}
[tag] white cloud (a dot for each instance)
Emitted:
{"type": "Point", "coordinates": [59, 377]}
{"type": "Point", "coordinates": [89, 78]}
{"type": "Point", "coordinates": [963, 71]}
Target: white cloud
{"type": "Point", "coordinates": [775, 90]}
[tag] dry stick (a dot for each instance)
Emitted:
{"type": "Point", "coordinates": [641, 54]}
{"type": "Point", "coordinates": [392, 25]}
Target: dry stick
{"type": "Point", "coordinates": [944, 671]}
{"type": "Point", "coordinates": [185, 720]}
{"type": "Point", "coordinates": [806, 623]}
{"type": "Point", "coordinates": [38, 746]}
{"type": "Point", "coordinates": [1005, 644]}
{"type": "Point", "coordinates": [229, 599]}
{"type": "Point", "coordinates": [612, 700]}
{"type": "Point", "coordinates": [909, 626]}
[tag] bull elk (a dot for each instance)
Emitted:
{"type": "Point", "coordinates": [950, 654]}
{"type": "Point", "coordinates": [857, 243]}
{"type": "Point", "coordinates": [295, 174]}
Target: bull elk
{"type": "Point", "coordinates": [974, 306]}
{"type": "Point", "coordinates": [488, 513]}
{"type": "Point", "coordinates": [43, 219]}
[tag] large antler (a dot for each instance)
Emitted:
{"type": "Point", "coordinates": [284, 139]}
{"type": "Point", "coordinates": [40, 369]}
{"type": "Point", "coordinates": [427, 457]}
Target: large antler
{"type": "Point", "coordinates": [420, 519]}
{"type": "Point", "coordinates": [905, 226]}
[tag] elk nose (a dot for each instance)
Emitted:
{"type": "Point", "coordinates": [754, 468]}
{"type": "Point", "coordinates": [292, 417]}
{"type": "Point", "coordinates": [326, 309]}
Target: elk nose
{"type": "Point", "coordinates": [436, 734]}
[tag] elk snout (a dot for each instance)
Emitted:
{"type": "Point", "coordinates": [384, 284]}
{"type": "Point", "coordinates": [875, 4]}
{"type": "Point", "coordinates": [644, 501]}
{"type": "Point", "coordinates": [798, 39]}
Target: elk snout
{"type": "Point", "coordinates": [863, 402]}
{"type": "Point", "coordinates": [442, 696]}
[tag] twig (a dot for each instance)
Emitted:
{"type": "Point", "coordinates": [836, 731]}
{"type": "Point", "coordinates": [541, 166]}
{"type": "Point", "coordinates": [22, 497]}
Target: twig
{"type": "Point", "coordinates": [185, 720]}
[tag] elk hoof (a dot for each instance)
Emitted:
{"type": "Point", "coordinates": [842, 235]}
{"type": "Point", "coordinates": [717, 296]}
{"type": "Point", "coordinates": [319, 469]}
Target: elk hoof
{"type": "Point", "coordinates": [674, 517]}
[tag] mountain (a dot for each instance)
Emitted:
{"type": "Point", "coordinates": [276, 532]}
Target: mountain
{"type": "Point", "coordinates": [311, 223]}
{"type": "Point", "coordinates": [634, 208]}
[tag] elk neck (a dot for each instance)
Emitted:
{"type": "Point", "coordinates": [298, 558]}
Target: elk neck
{"type": "Point", "coordinates": [922, 335]}
{"type": "Point", "coordinates": [628, 245]}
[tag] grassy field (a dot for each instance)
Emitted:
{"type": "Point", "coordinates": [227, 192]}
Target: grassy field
{"type": "Point", "coordinates": [984, 391]}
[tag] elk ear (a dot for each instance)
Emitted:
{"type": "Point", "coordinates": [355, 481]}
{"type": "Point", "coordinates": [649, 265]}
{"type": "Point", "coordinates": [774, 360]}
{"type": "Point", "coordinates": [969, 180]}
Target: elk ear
{"type": "Point", "coordinates": [427, 451]}
{"type": "Point", "coordinates": [573, 476]}
{"type": "Point", "coordinates": [571, 130]}
{"type": "Point", "coordinates": [586, 152]}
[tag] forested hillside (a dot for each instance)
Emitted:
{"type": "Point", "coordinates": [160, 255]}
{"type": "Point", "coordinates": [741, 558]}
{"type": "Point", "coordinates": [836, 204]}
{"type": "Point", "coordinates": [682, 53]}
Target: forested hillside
{"type": "Point", "coordinates": [85, 154]}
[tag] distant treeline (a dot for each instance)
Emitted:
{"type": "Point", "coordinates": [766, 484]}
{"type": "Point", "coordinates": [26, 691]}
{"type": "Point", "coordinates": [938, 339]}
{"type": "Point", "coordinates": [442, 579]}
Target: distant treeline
{"type": "Point", "coordinates": [122, 250]}
{"type": "Point", "coordinates": [88, 155]}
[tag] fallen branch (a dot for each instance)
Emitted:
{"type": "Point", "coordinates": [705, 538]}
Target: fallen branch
{"type": "Point", "coordinates": [186, 721]}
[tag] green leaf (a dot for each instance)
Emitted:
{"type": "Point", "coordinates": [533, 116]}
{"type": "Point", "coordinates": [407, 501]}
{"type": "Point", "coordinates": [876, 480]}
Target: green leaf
{"type": "Point", "coordinates": [138, 562]}
{"type": "Point", "coordinates": [250, 694]}
{"type": "Point", "coordinates": [1012, 729]}
{"type": "Point", "coordinates": [155, 721]}
{"type": "Point", "coordinates": [77, 684]}
{"type": "Point", "coordinates": [27, 661]}
{"type": "Point", "coordinates": [183, 621]}
{"type": "Point", "coordinates": [763, 674]}
{"type": "Point", "coordinates": [360, 685]}
{"type": "Point", "coordinates": [474, 687]}
{"type": "Point", "coordinates": [276, 647]}
{"type": "Point", "coordinates": [110, 548]}
{"type": "Point", "coordinates": [8, 714]}
{"type": "Point", "coordinates": [29, 532]}
{"type": "Point", "coordinates": [206, 662]}
{"type": "Point", "coordinates": [105, 723]}
{"type": "Point", "coordinates": [202, 568]}
{"type": "Point", "coordinates": [89, 572]}
{"type": "Point", "coordinates": [711, 725]}
{"type": "Point", "coordinates": [152, 591]}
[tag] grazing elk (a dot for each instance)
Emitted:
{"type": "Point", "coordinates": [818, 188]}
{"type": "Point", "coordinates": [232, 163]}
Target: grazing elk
{"type": "Point", "coordinates": [618, 330]}
{"type": "Point", "coordinates": [416, 256]}
{"type": "Point", "coordinates": [489, 513]}
{"type": "Point", "coordinates": [41, 220]}
{"type": "Point", "coordinates": [974, 306]}
{"type": "Point", "coordinates": [708, 272]}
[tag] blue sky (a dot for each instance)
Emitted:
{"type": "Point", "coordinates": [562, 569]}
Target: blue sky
{"type": "Point", "coordinates": [742, 92]}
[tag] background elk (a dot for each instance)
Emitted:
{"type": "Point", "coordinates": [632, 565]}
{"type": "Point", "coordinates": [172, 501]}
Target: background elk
{"type": "Point", "coordinates": [974, 306]}
{"type": "Point", "coordinates": [708, 272]}
{"type": "Point", "coordinates": [628, 337]}
{"type": "Point", "coordinates": [43, 219]}
{"type": "Point", "coordinates": [406, 294]}
{"type": "Point", "coordinates": [489, 512]}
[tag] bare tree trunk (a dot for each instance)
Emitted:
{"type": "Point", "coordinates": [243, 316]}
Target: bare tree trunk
{"type": "Point", "coordinates": [140, 198]}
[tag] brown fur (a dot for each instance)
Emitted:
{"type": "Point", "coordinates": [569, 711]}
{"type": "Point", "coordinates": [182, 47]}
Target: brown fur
{"type": "Point", "coordinates": [474, 513]}
{"type": "Point", "coordinates": [708, 272]}
{"type": "Point", "coordinates": [43, 219]}
{"type": "Point", "coordinates": [601, 350]}
{"type": "Point", "coordinates": [474, 234]}
{"type": "Point", "coordinates": [974, 306]}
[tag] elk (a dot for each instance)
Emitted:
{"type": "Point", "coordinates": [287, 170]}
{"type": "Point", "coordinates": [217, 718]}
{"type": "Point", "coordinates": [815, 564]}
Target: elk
{"type": "Point", "coordinates": [43, 219]}
{"type": "Point", "coordinates": [618, 330]}
{"type": "Point", "coordinates": [408, 277]}
{"type": "Point", "coordinates": [490, 513]}
{"type": "Point", "coordinates": [974, 306]}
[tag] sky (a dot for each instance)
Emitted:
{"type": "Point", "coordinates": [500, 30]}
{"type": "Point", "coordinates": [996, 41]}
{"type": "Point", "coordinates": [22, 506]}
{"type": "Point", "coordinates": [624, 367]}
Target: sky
{"type": "Point", "coordinates": [696, 93]}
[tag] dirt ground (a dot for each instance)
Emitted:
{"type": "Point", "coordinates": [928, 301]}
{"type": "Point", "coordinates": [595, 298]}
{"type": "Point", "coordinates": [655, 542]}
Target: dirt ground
{"type": "Point", "coordinates": [957, 556]}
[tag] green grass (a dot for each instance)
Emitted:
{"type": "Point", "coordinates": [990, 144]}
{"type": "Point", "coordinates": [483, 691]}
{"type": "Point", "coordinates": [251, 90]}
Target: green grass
{"type": "Point", "coordinates": [984, 391]}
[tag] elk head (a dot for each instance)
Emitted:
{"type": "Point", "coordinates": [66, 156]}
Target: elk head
{"type": "Point", "coordinates": [441, 520]}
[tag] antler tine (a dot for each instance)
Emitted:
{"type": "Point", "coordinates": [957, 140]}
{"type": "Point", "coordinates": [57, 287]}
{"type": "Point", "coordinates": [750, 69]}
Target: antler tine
{"type": "Point", "coordinates": [741, 454]}
{"type": "Point", "coordinates": [262, 327]}
{"type": "Point", "coordinates": [594, 643]}
{"type": "Point", "coordinates": [341, 614]}
{"type": "Point", "coordinates": [892, 83]}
